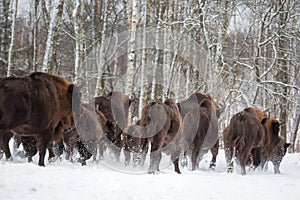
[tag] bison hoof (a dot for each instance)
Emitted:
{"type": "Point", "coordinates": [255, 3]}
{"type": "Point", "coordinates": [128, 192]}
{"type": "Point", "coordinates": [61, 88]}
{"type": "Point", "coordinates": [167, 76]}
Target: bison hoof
{"type": "Point", "coordinates": [82, 161]}
{"type": "Point", "coordinates": [212, 166]}
{"type": "Point", "coordinates": [184, 162]}
{"type": "Point", "coordinates": [52, 159]}
{"type": "Point", "coordinates": [230, 169]}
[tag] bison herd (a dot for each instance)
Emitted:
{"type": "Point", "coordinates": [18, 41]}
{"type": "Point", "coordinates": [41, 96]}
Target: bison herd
{"type": "Point", "coordinates": [45, 112]}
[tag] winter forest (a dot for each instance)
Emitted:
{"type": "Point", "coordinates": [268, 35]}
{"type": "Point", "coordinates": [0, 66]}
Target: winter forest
{"type": "Point", "coordinates": [241, 52]}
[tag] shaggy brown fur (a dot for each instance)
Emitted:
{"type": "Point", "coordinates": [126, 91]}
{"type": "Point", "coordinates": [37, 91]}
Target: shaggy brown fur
{"type": "Point", "coordinates": [200, 113]}
{"type": "Point", "coordinates": [244, 133]}
{"type": "Point", "coordinates": [34, 105]}
{"type": "Point", "coordinates": [200, 132]}
{"type": "Point", "coordinates": [115, 107]}
{"type": "Point", "coordinates": [164, 126]}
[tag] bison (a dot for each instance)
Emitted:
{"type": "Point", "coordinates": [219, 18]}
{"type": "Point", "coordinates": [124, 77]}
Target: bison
{"type": "Point", "coordinates": [34, 105]}
{"type": "Point", "coordinates": [274, 147]}
{"type": "Point", "coordinates": [164, 129]}
{"type": "Point", "coordinates": [244, 133]}
{"type": "Point", "coordinates": [87, 132]}
{"type": "Point", "coordinates": [115, 107]}
{"type": "Point", "coordinates": [200, 130]}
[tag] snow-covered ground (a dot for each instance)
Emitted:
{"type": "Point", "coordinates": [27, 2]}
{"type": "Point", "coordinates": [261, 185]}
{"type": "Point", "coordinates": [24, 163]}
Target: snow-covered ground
{"type": "Point", "coordinates": [110, 180]}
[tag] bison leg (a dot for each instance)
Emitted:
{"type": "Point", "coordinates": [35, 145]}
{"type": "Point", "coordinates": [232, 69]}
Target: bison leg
{"type": "Point", "coordinates": [1, 153]}
{"type": "Point", "coordinates": [83, 151]}
{"type": "Point", "coordinates": [184, 162]}
{"type": "Point", "coordinates": [43, 142]}
{"type": "Point", "coordinates": [127, 157]}
{"type": "Point", "coordinates": [102, 147]}
{"type": "Point", "coordinates": [195, 159]}
{"type": "Point", "coordinates": [243, 157]}
{"type": "Point", "coordinates": [52, 157]}
{"type": "Point", "coordinates": [29, 146]}
{"type": "Point", "coordinates": [144, 154]}
{"type": "Point", "coordinates": [276, 167]}
{"type": "Point", "coordinates": [155, 157]}
{"type": "Point", "coordinates": [230, 158]}
{"type": "Point", "coordinates": [243, 161]}
{"type": "Point", "coordinates": [4, 142]}
{"type": "Point", "coordinates": [214, 152]}
{"type": "Point", "coordinates": [175, 159]}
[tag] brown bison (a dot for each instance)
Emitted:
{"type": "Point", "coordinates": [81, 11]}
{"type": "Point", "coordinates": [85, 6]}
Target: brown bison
{"type": "Point", "coordinates": [244, 133]}
{"type": "Point", "coordinates": [200, 130]}
{"type": "Point", "coordinates": [274, 147]}
{"type": "Point", "coordinates": [164, 124]}
{"type": "Point", "coordinates": [91, 128]}
{"type": "Point", "coordinates": [115, 107]}
{"type": "Point", "coordinates": [35, 105]}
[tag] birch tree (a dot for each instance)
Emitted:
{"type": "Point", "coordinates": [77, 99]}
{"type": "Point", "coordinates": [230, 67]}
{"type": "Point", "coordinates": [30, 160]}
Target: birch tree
{"type": "Point", "coordinates": [78, 20]}
{"type": "Point", "coordinates": [101, 62]}
{"type": "Point", "coordinates": [49, 60]}
{"type": "Point", "coordinates": [5, 34]}
{"type": "Point", "coordinates": [132, 22]}
{"type": "Point", "coordinates": [144, 71]}
{"type": "Point", "coordinates": [34, 37]}
{"type": "Point", "coordinates": [12, 40]}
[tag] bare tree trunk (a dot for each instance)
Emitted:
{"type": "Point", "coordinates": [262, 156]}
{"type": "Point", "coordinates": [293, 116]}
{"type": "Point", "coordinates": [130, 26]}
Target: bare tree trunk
{"type": "Point", "coordinates": [12, 42]}
{"type": "Point", "coordinates": [144, 71]}
{"type": "Point", "coordinates": [51, 45]}
{"type": "Point", "coordinates": [157, 52]}
{"type": "Point", "coordinates": [35, 35]}
{"type": "Point", "coordinates": [79, 39]}
{"type": "Point", "coordinates": [131, 52]}
{"type": "Point", "coordinates": [283, 72]}
{"type": "Point", "coordinates": [101, 64]}
{"type": "Point", "coordinates": [295, 126]}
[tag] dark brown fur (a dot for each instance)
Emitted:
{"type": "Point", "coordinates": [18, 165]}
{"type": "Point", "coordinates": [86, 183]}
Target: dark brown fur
{"type": "Point", "coordinates": [198, 112]}
{"type": "Point", "coordinates": [35, 105]}
{"type": "Point", "coordinates": [274, 147]}
{"type": "Point", "coordinates": [200, 132]}
{"type": "Point", "coordinates": [163, 122]}
{"type": "Point", "coordinates": [115, 107]}
{"type": "Point", "coordinates": [245, 132]}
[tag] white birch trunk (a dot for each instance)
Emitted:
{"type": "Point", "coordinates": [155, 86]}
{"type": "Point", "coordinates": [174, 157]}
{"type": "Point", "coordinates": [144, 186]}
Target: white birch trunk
{"type": "Point", "coordinates": [131, 50]}
{"type": "Point", "coordinates": [101, 63]}
{"type": "Point", "coordinates": [35, 35]}
{"type": "Point", "coordinates": [157, 35]}
{"type": "Point", "coordinates": [12, 42]}
{"type": "Point", "coordinates": [131, 55]}
{"type": "Point", "coordinates": [143, 79]}
{"type": "Point", "coordinates": [55, 19]}
{"type": "Point", "coordinates": [79, 39]}
{"type": "Point", "coordinates": [295, 125]}
{"type": "Point", "coordinates": [166, 67]}
{"type": "Point", "coordinates": [76, 21]}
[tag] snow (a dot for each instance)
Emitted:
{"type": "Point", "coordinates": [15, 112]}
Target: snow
{"type": "Point", "coordinates": [111, 180]}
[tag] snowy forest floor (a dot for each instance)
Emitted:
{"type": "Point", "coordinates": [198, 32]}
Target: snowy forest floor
{"type": "Point", "coordinates": [111, 180]}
